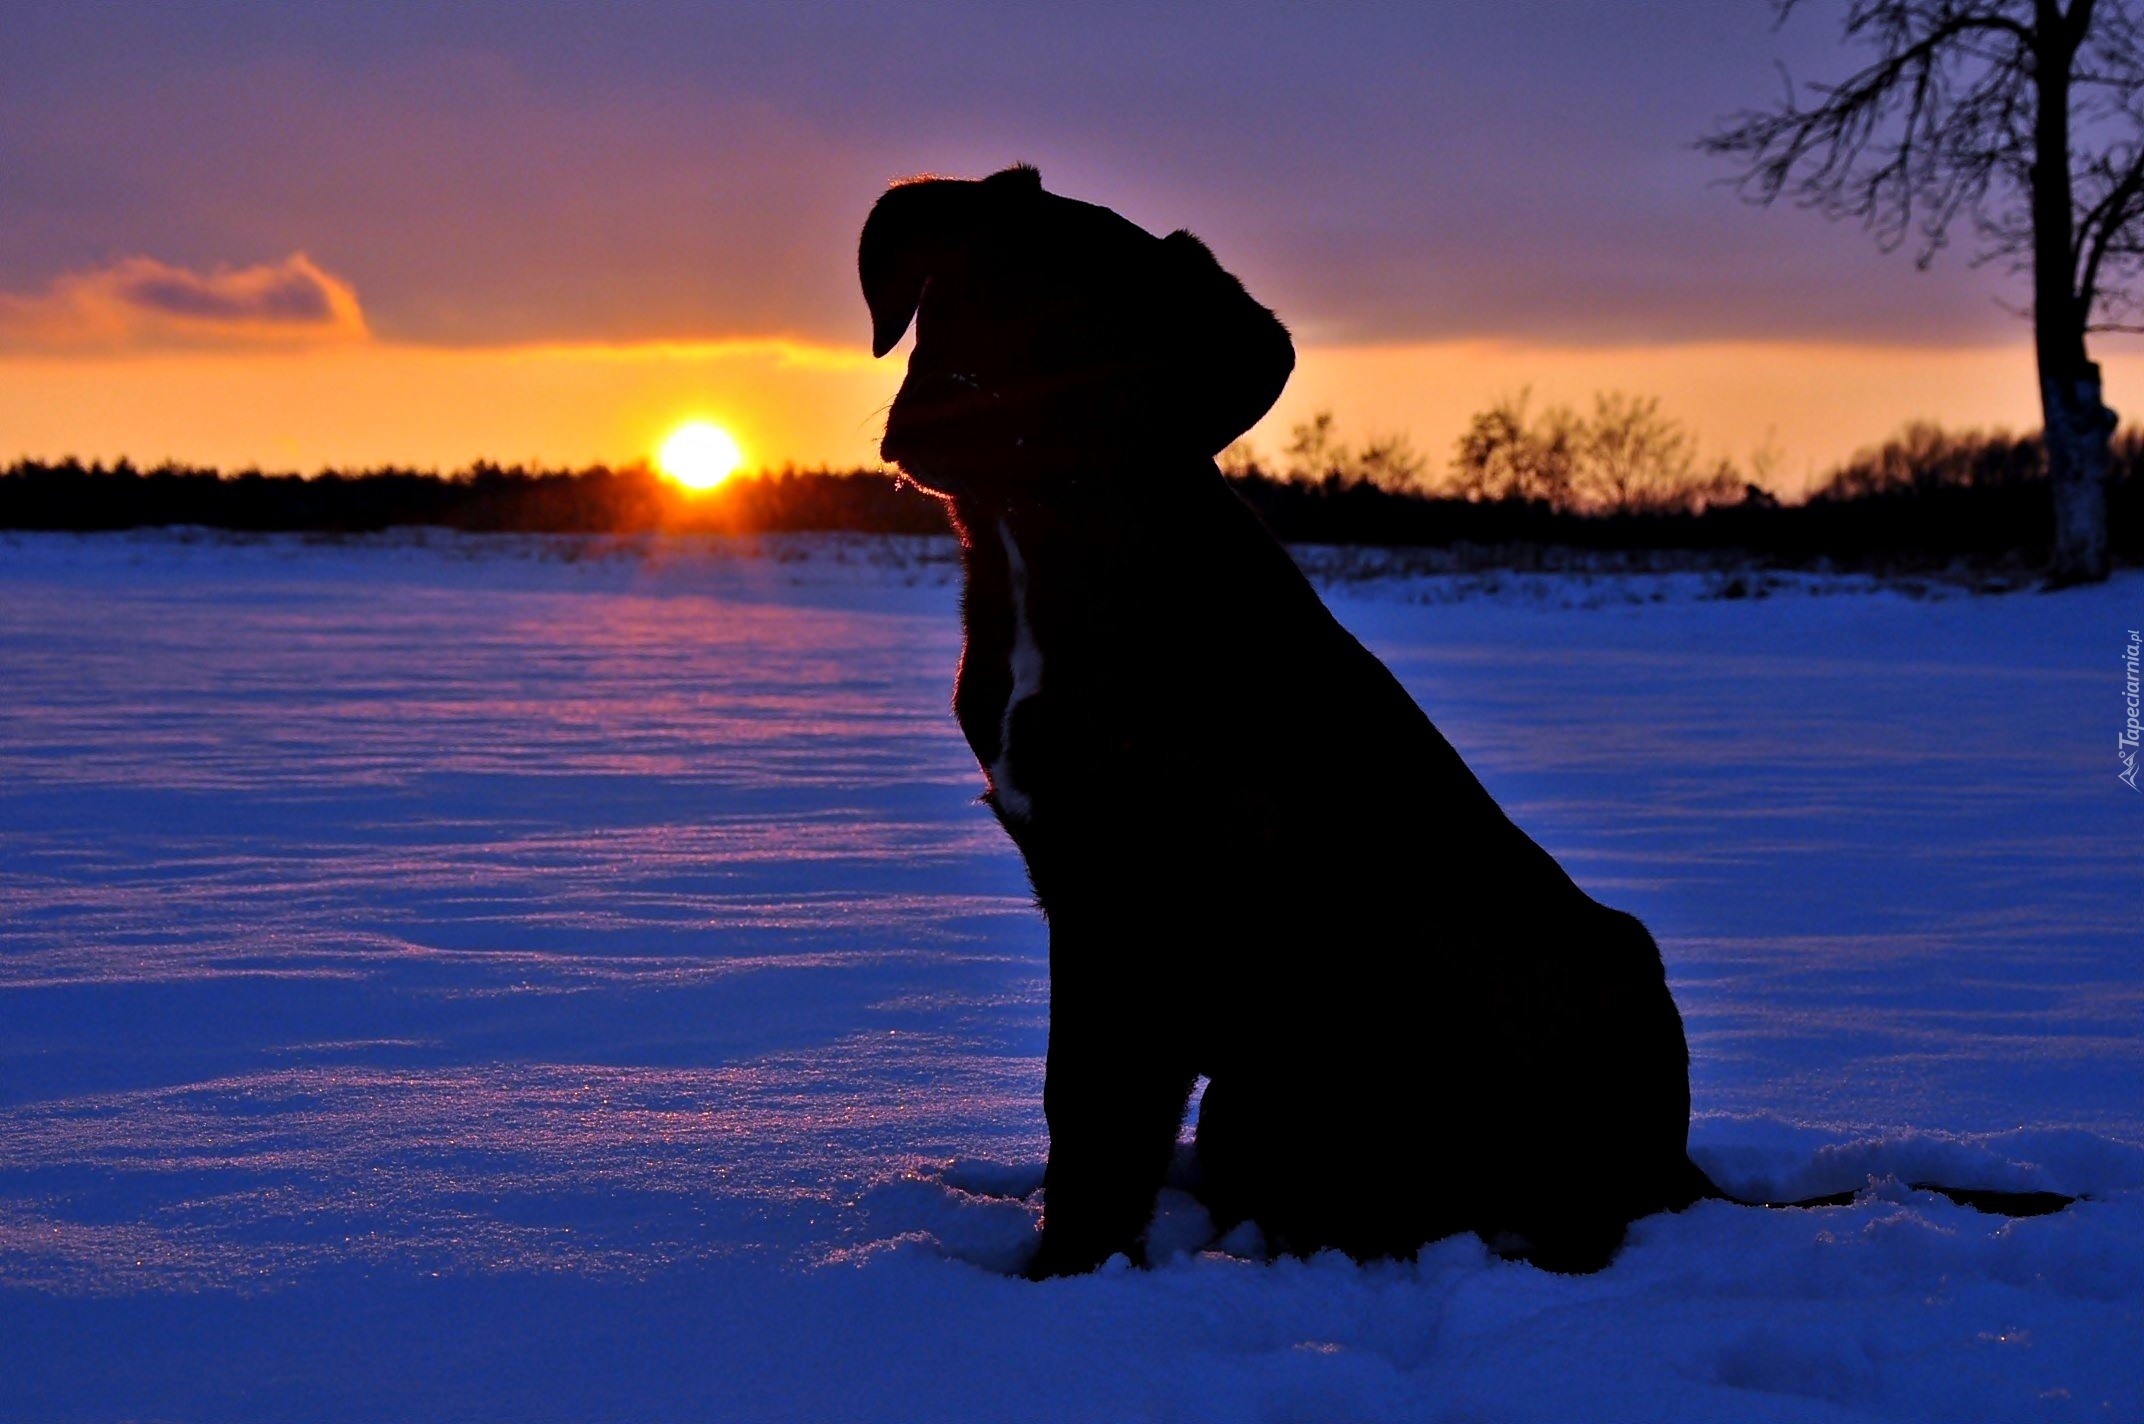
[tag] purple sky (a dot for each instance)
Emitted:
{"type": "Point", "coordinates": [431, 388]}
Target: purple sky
{"type": "Point", "coordinates": [489, 173]}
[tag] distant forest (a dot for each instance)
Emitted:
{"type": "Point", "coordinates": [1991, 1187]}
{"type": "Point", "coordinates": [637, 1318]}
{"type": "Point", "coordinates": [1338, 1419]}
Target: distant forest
{"type": "Point", "coordinates": [1926, 497]}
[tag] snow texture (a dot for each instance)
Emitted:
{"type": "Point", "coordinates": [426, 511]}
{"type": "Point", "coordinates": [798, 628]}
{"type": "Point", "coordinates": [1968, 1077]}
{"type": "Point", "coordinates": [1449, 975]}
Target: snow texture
{"type": "Point", "coordinates": [450, 979]}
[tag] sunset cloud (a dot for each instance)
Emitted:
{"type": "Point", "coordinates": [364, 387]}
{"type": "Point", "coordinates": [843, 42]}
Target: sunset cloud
{"type": "Point", "coordinates": [139, 303]}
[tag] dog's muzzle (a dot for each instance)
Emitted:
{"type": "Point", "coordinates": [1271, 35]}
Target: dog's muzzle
{"type": "Point", "coordinates": [941, 414]}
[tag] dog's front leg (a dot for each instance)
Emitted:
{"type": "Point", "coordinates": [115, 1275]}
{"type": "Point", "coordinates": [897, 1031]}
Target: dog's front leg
{"type": "Point", "coordinates": [1115, 1097]}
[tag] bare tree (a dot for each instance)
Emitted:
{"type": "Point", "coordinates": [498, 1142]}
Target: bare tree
{"type": "Point", "coordinates": [1627, 458]}
{"type": "Point", "coordinates": [1508, 454]}
{"type": "Point", "coordinates": [1316, 455]}
{"type": "Point", "coordinates": [1636, 459]}
{"type": "Point", "coordinates": [1239, 461]}
{"type": "Point", "coordinates": [2019, 120]}
{"type": "Point", "coordinates": [1390, 462]}
{"type": "Point", "coordinates": [1314, 452]}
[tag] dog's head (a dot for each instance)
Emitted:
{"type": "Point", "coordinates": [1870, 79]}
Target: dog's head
{"type": "Point", "coordinates": [1054, 338]}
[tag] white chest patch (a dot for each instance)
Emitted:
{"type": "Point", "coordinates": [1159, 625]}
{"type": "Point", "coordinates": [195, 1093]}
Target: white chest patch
{"type": "Point", "coordinates": [1026, 682]}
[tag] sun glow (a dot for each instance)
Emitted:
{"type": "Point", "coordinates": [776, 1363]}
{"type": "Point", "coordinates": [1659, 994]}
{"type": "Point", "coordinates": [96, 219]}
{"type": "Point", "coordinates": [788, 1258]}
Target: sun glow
{"type": "Point", "coordinates": [699, 455]}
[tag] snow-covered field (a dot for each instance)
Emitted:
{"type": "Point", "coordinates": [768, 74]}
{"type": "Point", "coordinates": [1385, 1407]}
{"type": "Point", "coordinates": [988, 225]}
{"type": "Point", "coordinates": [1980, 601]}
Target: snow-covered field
{"type": "Point", "coordinates": [450, 980]}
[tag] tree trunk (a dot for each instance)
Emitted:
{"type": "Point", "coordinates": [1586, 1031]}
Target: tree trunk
{"type": "Point", "coordinates": [2078, 424]}
{"type": "Point", "coordinates": [2079, 429]}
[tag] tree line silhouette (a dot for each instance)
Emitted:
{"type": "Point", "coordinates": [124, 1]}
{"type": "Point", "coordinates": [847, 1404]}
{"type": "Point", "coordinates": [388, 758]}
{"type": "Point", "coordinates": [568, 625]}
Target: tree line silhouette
{"type": "Point", "coordinates": [1620, 479]}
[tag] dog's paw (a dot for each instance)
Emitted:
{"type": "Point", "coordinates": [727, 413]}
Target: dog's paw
{"type": "Point", "coordinates": [1059, 1255]}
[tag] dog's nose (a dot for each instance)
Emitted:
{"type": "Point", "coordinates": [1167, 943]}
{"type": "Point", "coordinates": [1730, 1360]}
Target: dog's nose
{"type": "Point", "coordinates": [890, 447]}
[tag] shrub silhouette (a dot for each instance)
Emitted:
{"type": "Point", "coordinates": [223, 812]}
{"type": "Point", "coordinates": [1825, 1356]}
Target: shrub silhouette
{"type": "Point", "coordinates": [1624, 458]}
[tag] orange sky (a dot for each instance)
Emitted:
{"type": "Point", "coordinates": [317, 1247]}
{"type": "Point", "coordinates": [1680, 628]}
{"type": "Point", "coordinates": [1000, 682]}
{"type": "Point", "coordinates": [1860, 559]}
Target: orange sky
{"type": "Point", "coordinates": [355, 401]}
{"type": "Point", "coordinates": [341, 233]}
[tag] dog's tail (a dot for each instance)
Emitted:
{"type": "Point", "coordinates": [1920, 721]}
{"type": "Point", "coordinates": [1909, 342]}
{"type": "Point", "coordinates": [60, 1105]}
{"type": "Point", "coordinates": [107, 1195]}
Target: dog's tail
{"type": "Point", "coordinates": [1988, 1199]}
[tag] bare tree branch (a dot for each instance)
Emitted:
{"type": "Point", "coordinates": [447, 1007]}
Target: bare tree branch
{"type": "Point", "coordinates": [1934, 135]}
{"type": "Point", "coordinates": [1923, 131]}
{"type": "Point", "coordinates": [2019, 121]}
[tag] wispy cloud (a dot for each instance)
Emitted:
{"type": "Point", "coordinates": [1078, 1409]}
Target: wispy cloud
{"type": "Point", "coordinates": [141, 303]}
{"type": "Point", "coordinates": [786, 353]}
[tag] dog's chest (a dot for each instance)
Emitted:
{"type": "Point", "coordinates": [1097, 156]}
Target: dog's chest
{"type": "Point", "coordinates": [1001, 677]}
{"type": "Point", "coordinates": [1024, 682]}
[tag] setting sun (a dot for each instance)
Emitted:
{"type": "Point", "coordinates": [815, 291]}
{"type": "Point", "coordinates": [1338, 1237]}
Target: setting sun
{"type": "Point", "coordinates": [699, 455]}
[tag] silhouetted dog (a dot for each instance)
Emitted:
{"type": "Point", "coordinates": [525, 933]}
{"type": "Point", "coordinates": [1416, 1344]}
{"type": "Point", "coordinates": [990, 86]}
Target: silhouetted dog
{"type": "Point", "coordinates": [1258, 858]}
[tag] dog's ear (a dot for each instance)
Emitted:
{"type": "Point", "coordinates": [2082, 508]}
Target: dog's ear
{"type": "Point", "coordinates": [913, 230]}
{"type": "Point", "coordinates": [904, 239]}
{"type": "Point", "coordinates": [1236, 355]}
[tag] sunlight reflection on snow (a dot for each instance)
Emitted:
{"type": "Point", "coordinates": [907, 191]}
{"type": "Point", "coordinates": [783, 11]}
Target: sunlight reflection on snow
{"type": "Point", "coordinates": [496, 910]}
